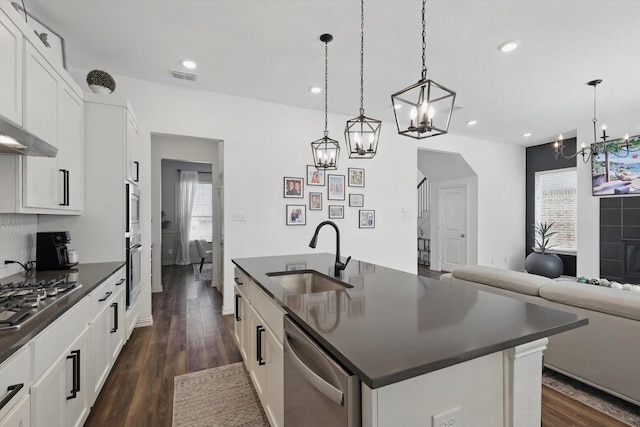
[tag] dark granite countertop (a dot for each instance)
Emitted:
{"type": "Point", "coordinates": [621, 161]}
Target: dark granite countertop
{"type": "Point", "coordinates": [392, 326]}
{"type": "Point", "coordinates": [89, 275]}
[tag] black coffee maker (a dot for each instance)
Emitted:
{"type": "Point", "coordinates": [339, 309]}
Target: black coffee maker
{"type": "Point", "coordinates": [51, 250]}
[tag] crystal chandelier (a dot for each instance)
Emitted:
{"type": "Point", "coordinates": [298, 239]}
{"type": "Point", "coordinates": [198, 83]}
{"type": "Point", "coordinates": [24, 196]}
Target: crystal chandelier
{"type": "Point", "coordinates": [325, 150]}
{"type": "Point", "coordinates": [362, 133]}
{"type": "Point", "coordinates": [424, 109]}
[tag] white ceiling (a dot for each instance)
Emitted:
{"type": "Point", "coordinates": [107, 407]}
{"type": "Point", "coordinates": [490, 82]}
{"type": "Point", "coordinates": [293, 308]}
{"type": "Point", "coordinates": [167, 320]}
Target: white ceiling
{"type": "Point", "coordinates": [270, 50]}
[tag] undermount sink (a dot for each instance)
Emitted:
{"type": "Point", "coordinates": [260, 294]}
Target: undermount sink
{"type": "Point", "coordinates": [307, 282]}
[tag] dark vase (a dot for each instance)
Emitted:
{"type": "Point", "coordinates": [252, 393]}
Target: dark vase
{"type": "Point", "coordinates": [548, 265]}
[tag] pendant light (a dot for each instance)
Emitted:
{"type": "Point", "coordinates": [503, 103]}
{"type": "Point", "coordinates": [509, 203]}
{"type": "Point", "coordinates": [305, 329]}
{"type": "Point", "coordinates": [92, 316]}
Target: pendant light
{"type": "Point", "coordinates": [362, 133]}
{"type": "Point", "coordinates": [424, 109]}
{"type": "Point", "coordinates": [325, 150]}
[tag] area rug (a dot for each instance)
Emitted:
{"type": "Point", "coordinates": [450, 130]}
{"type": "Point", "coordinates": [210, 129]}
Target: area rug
{"type": "Point", "coordinates": [599, 400]}
{"type": "Point", "coordinates": [217, 397]}
{"type": "Point", "coordinates": [206, 274]}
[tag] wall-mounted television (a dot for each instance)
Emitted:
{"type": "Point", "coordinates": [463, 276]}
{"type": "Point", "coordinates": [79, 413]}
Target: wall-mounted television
{"type": "Point", "coordinates": [615, 169]}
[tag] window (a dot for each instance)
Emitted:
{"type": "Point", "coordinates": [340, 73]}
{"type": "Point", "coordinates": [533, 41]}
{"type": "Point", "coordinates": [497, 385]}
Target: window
{"type": "Point", "coordinates": [556, 201]}
{"type": "Point", "coordinates": [202, 216]}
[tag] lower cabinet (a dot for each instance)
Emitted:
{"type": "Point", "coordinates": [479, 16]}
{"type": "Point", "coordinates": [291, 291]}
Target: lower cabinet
{"type": "Point", "coordinates": [19, 415]}
{"type": "Point", "coordinates": [258, 331]}
{"type": "Point", "coordinates": [15, 380]}
{"type": "Point", "coordinates": [60, 396]}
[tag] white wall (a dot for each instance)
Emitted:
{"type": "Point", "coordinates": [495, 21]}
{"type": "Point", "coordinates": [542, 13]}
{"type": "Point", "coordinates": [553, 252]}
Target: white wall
{"type": "Point", "coordinates": [264, 142]}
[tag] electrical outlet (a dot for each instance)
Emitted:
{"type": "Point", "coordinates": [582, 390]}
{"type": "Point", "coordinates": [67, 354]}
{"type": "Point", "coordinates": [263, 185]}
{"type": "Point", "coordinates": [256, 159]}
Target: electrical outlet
{"type": "Point", "coordinates": [450, 418]}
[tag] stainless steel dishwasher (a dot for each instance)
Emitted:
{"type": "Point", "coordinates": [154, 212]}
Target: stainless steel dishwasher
{"type": "Point", "coordinates": [317, 390]}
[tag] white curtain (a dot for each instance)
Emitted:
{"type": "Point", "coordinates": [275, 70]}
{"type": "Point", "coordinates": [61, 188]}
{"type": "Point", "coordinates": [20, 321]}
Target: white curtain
{"type": "Point", "coordinates": [186, 196]}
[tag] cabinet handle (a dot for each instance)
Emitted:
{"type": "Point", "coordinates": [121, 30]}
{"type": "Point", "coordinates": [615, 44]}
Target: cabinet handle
{"type": "Point", "coordinates": [115, 317]}
{"type": "Point", "coordinates": [238, 318]}
{"type": "Point", "coordinates": [65, 187]}
{"type": "Point", "coordinates": [137, 170]}
{"type": "Point", "coordinates": [75, 388]}
{"type": "Point", "coordinates": [237, 281]}
{"type": "Point", "coordinates": [12, 390]}
{"type": "Point", "coordinates": [259, 330]}
{"type": "Point", "coordinates": [121, 281]}
{"type": "Point", "coordinates": [105, 297]}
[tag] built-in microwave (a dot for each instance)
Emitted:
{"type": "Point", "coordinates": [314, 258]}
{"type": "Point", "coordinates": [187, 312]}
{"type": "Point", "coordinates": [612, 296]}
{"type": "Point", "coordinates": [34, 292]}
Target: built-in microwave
{"type": "Point", "coordinates": [133, 208]}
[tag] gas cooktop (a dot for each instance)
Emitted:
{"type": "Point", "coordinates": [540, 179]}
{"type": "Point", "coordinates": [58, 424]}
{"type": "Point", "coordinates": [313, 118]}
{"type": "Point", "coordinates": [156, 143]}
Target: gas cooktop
{"type": "Point", "coordinates": [21, 301]}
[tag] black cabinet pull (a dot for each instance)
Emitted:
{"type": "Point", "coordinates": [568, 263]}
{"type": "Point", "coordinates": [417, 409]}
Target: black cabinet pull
{"type": "Point", "coordinates": [12, 391]}
{"type": "Point", "coordinates": [137, 170]}
{"type": "Point", "coordinates": [259, 330]}
{"type": "Point", "coordinates": [237, 281]}
{"type": "Point", "coordinates": [115, 317]}
{"type": "Point", "coordinates": [106, 296]}
{"type": "Point", "coordinates": [65, 187]}
{"type": "Point", "coordinates": [238, 318]}
{"type": "Point", "coordinates": [75, 388]}
{"type": "Point", "coordinates": [121, 282]}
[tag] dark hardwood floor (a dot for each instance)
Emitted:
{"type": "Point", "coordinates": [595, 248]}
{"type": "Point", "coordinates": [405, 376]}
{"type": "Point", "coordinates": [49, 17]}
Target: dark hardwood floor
{"type": "Point", "coordinates": [189, 334]}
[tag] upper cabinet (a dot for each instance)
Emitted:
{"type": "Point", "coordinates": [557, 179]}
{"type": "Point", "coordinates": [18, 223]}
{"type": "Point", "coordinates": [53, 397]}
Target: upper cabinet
{"type": "Point", "coordinates": [44, 100]}
{"type": "Point", "coordinates": [11, 43]}
{"type": "Point", "coordinates": [133, 157]}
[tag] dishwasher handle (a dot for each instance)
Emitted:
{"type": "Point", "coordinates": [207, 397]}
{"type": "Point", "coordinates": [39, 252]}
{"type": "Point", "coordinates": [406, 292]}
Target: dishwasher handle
{"type": "Point", "coordinates": [333, 393]}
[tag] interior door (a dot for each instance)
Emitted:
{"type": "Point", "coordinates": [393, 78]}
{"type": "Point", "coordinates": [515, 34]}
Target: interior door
{"type": "Point", "coordinates": [453, 223]}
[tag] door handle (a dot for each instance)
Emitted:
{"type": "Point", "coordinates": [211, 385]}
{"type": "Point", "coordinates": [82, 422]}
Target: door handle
{"type": "Point", "coordinates": [75, 388]}
{"type": "Point", "coordinates": [462, 235]}
{"type": "Point", "coordinates": [106, 296]}
{"type": "Point", "coordinates": [121, 282]}
{"type": "Point", "coordinates": [65, 187]}
{"type": "Point", "coordinates": [137, 170]}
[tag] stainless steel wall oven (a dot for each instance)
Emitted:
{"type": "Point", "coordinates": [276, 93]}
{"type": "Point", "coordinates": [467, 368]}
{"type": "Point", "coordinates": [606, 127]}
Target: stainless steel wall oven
{"type": "Point", "coordinates": [134, 249]}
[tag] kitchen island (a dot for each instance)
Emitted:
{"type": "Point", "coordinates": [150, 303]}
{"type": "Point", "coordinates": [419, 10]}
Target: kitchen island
{"type": "Point", "coordinates": [421, 347]}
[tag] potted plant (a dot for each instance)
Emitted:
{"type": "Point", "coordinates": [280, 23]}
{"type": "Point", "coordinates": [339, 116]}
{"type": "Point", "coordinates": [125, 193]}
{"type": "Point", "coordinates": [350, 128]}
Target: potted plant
{"type": "Point", "coordinates": [101, 82]}
{"type": "Point", "coordinates": [539, 261]}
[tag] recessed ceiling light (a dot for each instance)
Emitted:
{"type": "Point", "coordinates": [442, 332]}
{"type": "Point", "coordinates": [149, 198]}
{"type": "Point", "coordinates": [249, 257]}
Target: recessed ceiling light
{"type": "Point", "coordinates": [472, 122]}
{"type": "Point", "coordinates": [187, 63]}
{"type": "Point", "coordinates": [508, 46]}
{"type": "Point", "coordinates": [315, 89]}
{"type": "Point", "coordinates": [526, 134]}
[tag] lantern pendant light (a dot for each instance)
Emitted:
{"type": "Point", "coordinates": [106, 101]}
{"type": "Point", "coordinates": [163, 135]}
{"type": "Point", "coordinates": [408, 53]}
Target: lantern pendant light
{"type": "Point", "coordinates": [325, 150]}
{"type": "Point", "coordinates": [424, 109]}
{"type": "Point", "coordinates": [362, 133]}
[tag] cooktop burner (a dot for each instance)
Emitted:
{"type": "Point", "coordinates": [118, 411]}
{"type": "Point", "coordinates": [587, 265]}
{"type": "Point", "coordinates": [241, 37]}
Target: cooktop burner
{"type": "Point", "coordinates": [20, 301]}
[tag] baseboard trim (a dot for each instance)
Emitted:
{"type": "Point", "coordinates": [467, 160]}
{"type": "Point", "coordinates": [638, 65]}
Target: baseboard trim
{"type": "Point", "coordinates": [155, 289]}
{"type": "Point", "coordinates": [143, 322]}
{"type": "Point", "coordinates": [227, 310]}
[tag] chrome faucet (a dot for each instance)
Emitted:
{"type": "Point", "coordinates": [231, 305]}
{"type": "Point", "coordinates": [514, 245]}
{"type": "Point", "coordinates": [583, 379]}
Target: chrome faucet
{"type": "Point", "coordinates": [339, 265]}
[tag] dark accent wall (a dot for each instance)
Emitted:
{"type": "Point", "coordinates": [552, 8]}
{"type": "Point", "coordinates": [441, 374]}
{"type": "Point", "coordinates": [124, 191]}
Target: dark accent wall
{"type": "Point", "coordinates": [541, 158]}
{"type": "Point", "coordinates": [619, 222]}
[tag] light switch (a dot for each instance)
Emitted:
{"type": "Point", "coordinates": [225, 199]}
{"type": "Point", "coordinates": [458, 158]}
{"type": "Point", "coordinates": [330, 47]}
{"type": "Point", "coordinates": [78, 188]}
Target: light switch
{"type": "Point", "coordinates": [239, 216]}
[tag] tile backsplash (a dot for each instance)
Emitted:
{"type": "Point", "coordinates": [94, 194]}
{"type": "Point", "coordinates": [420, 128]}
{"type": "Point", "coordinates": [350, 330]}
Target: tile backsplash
{"type": "Point", "coordinates": [17, 241]}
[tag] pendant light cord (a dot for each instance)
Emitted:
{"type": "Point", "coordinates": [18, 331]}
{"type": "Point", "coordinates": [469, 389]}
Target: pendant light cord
{"type": "Point", "coordinates": [326, 86]}
{"type": "Point", "coordinates": [362, 57]}
{"type": "Point", "coordinates": [595, 120]}
{"type": "Point", "coordinates": [424, 41]}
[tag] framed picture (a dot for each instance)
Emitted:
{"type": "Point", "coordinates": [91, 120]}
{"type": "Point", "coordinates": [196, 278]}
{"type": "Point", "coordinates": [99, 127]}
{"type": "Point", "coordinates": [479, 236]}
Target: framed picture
{"type": "Point", "coordinates": [315, 176]}
{"type": "Point", "coordinates": [336, 211]}
{"type": "Point", "coordinates": [367, 219]}
{"type": "Point", "coordinates": [356, 177]}
{"type": "Point", "coordinates": [315, 201]}
{"type": "Point", "coordinates": [356, 200]}
{"type": "Point", "coordinates": [52, 41]}
{"type": "Point", "coordinates": [336, 187]}
{"type": "Point", "coordinates": [296, 215]}
{"type": "Point", "coordinates": [293, 187]}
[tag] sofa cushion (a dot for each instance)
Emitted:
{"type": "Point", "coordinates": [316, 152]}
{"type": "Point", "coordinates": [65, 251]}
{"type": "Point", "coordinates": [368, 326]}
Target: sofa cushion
{"type": "Point", "coordinates": [525, 283]}
{"type": "Point", "coordinates": [597, 298]}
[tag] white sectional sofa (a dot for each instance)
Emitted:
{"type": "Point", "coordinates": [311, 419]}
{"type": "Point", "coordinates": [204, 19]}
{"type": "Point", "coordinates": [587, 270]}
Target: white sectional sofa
{"type": "Point", "coordinates": [604, 354]}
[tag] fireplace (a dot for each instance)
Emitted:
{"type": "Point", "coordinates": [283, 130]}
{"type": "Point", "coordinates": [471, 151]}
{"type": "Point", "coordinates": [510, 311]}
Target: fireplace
{"type": "Point", "coordinates": [631, 262]}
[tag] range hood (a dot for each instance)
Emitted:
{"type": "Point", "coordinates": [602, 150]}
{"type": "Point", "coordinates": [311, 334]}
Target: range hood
{"type": "Point", "coordinates": [16, 140]}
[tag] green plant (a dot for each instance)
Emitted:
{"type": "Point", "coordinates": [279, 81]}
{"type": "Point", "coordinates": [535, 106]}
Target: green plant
{"type": "Point", "coordinates": [101, 78]}
{"type": "Point", "coordinates": [542, 236]}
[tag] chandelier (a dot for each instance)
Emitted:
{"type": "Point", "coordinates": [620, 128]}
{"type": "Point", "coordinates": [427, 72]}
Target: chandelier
{"type": "Point", "coordinates": [325, 150]}
{"type": "Point", "coordinates": [362, 133]}
{"type": "Point", "coordinates": [621, 147]}
{"type": "Point", "coordinates": [424, 109]}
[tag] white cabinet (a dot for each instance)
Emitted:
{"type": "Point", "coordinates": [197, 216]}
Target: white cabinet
{"type": "Point", "coordinates": [15, 380]}
{"type": "Point", "coordinates": [107, 330]}
{"type": "Point", "coordinates": [19, 415]}
{"type": "Point", "coordinates": [11, 43]}
{"type": "Point", "coordinates": [60, 396]}
{"type": "Point", "coordinates": [40, 96]}
{"type": "Point", "coordinates": [259, 336]}
{"type": "Point", "coordinates": [133, 149]}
